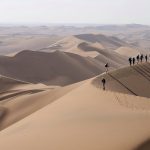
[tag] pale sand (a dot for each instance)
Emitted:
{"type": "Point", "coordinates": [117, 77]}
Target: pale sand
{"type": "Point", "coordinates": [20, 103]}
{"type": "Point", "coordinates": [86, 44]}
{"type": "Point", "coordinates": [127, 51]}
{"type": "Point", "coordinates": [71, 44]}
{"type": "Point", "coordinates": [11, 44]}
{"type": "Point", "coordinates": [84, 118]}
{"type": "Point", "coordinates": [130, 80]}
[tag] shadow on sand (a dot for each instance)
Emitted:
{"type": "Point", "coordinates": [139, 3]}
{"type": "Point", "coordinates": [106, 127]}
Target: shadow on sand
{"type": "Point", "coordinates": [144, 146]}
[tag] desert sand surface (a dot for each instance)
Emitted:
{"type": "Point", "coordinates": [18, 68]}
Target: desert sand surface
{"type": "Point", "coordinates": [12, 44]}
{"type": "Point", "coordinates": [11, 90]}
{"type": "Point", "coordinates": [82, 116]}
{"type": "Point", "coordinates": [127, 51]}
{"type": "Point", "coordinates": [41, 67]}
{"type": "Point", "coordinates": [87, 44]}
{"type": "Point", "coordinates": [39, 37]}
{"type": "Point", "coordinates": [20, 103]}
{"type": "Point", "coordinates": [133, 80]}
{"type": "Point", "coordinates": [51, 94]}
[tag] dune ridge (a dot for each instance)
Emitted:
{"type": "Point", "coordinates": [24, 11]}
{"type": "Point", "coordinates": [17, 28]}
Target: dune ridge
{"type": "Point", "coordinates": [129, 80]}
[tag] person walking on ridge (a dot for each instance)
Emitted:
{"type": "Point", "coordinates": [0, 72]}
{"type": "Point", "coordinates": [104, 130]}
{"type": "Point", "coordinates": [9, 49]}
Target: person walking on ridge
{"type": "Point", "coordinates": [130, 61]}
{"type": "Point", "coordinates": [106, 66]}
{"type": "Point", "coordinates": [141, 58]}
{"type": "Point", "coordinates": [138, 58]}
{"type": "Point", "coordinates": [146, 58]}
{"type": "Point", "coordinates": [103, 82]}
{"type": "Point", "coordinates": [133, 61]}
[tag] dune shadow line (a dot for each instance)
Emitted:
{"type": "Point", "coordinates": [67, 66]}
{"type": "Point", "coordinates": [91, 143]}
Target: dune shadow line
{"type": "Point", "coordinates": [144, 146]}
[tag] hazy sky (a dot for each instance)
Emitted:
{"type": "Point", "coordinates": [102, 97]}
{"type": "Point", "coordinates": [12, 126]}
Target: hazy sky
{"type": "Point", "coordinates": [75, 11]}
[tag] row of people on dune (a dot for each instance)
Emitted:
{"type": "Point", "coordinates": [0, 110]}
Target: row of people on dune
{"type": "Point", "coordinates": [132, 61]}
{"type": "Point", "coordinates": [138, 58]}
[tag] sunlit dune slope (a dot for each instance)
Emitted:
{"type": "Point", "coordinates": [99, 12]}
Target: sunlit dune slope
{"type": "Point", "coordinates": [86, 118]}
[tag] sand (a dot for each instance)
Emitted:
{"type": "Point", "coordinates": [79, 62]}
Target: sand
{"type": "Point", "coordinates": [127, 51]}
{"type": "Point", "coordinates": [71, 44]}
{"type": "Point", "coordinates": [38, 111]}
{"type": "Point", "coordinates": [12, 44]}
{"type": "Point", "coordinates": [133, 80]}
{"type": "Point", "coordinates": [56, 68]}
{"type": "Point", "coordinates": [86, 44]}
{"type": "Point", "coordinates": [85, 117]}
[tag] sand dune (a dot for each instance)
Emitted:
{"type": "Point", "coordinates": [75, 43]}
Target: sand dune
{"type": "Point", "coordinates": [15, 102]}
{"type": "Point", "coordinates": [56, 68]}
{"type": "Point", "coordinates": [24, 104]}
{"type": "Point", "coordinates": [85, 118]}
{"type": "Point", "coordinates": [137, 35]}
{"type": "Point", "coordinates": [11, 44]}
{"type": "Point", "coordinates": [78, 44]}
{"type": "Point", "coordinates": [127, 51]}
{"type": "Point", "coordinates": [34, 116]}
{"type": "Point", "coordinates": [108, 42]}
{"type": "Point", "coordinates": [70, 44]}
{"type": "Point", "coordinates": [133, 80]}
{"type": "Point", "coordinates": [115, 60]}
{"type": "Point", "coordinates": [9, 83]}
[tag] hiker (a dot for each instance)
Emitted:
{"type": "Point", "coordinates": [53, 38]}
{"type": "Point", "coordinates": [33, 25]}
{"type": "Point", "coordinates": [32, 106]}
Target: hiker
{"type": "Point", "coordinates": [141, 58]}
{"type": "Point", "coordinates": [130, 61]}
{"type": "Point", "coordinates": [146, 57]}
{"type": "Point", "coordinates": [133, 61]}
{"type": "Point", "coordinates": [106, 66]}
{"type": "Point", "coordinates": [138, 58]}
{"type": "Point", "coordinates": [103, 82]}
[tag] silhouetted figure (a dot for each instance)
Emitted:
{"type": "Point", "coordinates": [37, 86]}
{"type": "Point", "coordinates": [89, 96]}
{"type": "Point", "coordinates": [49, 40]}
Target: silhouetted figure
{"type": "Point", "coordinates": [106, 66]}
{"type": "Point", "coordinates": [146, 58]}
{"type": "Point", "coordinates": [138, 58]}
{"type": "Point", "coordinates": [133, 61]}
{"type": "Point", "coordinates": [103, 82]}
{"type": "Point", "coordinates": [141, 58]}
{"type": "Point", "coordinates": [130, 61]}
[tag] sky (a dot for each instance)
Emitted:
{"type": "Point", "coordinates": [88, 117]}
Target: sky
{"type": "Point", "coordinates": [75, 11]}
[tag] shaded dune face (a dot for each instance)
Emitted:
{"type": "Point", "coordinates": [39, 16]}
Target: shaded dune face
{"type": "Point", "coordinates": [115, 60]}
{"type": "Point", "coordinates": [144, 146]}
{"type": "Point", "coordinates": [57, 68]}
{"type": "Point", "coordinates": [133, 80]}
{"type": "Point", "coordinates": [106, 41]}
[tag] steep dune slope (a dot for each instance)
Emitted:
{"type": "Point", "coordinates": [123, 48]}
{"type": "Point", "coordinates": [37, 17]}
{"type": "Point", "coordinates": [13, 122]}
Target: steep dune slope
{"type": "Point", "coordinates": [86, 118]}
{"type": "Point", "coordinates": [77, 44]}
{"type": "Point", "coordinates": [56, 68]}
{"type": "Point", "coordinates": [9, 83]}
{"type": "Point", "coordinates": [15, 108]}
{"type": "Point", "coordinates": [11, 89]}
{"type": "Point", "coordinates": [133, 80]}
{"type": "Point", "coordinates": [105, 56]}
